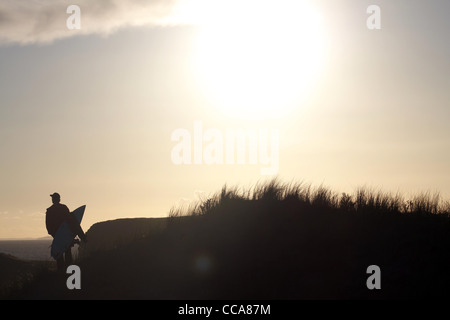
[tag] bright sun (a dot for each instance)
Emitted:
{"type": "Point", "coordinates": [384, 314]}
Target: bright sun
{"type": "Point", "coordinates": [259, 58]}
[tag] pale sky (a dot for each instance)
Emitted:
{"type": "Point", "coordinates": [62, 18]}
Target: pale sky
{"type": "Point", "coordinates": [90, 112]}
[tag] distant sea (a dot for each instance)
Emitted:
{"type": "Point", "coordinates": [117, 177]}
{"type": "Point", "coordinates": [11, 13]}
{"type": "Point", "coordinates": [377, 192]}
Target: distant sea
{"type": "Point", "coordinates": [27, 249]}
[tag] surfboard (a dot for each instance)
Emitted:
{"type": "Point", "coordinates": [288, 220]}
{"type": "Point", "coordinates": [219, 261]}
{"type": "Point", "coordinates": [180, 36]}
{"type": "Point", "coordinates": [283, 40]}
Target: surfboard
{"type": "Point", "coordinates": [64, 237]}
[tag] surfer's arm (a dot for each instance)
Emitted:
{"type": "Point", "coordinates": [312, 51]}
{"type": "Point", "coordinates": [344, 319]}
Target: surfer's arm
{"type": "Point", "coordinates": [75, 226]}
{"type": "Point", "coordinates": [49, 225]}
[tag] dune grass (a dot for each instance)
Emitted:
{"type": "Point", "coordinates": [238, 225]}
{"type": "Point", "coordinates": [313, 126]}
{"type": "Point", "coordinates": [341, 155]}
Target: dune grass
{"type": "Point", "coordinates": [302, 195]}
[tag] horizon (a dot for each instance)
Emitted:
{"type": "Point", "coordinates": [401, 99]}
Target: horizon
{"type": "Point", "coordinates": [45, 238]}
{"type": "Point", "coordinates": [128, 108]}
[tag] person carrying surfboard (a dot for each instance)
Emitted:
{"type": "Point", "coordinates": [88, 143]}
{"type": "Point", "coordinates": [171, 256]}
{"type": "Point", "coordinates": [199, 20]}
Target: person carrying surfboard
{"type": "Point", "coordinates": [55, 216]}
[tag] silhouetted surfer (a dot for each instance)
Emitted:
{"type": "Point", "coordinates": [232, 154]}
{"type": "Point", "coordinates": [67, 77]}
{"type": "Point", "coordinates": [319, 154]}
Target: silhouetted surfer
{"type": "Point", "coordinates": [55, 216]}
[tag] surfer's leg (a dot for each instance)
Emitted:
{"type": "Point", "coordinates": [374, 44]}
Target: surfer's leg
{"type": "Point", "coordinates": [68, 256]}
{"type": "Point", "coordinates": [60, 264]}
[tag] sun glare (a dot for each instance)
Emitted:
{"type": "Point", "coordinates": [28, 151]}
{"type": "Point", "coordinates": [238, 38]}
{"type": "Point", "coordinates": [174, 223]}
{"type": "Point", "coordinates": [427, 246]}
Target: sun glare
{"type": "Point", "coordinates": [259, 59]}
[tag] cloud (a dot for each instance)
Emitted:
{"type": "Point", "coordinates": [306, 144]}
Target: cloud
{"type": "Point", "coordinates": [43, 21]}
